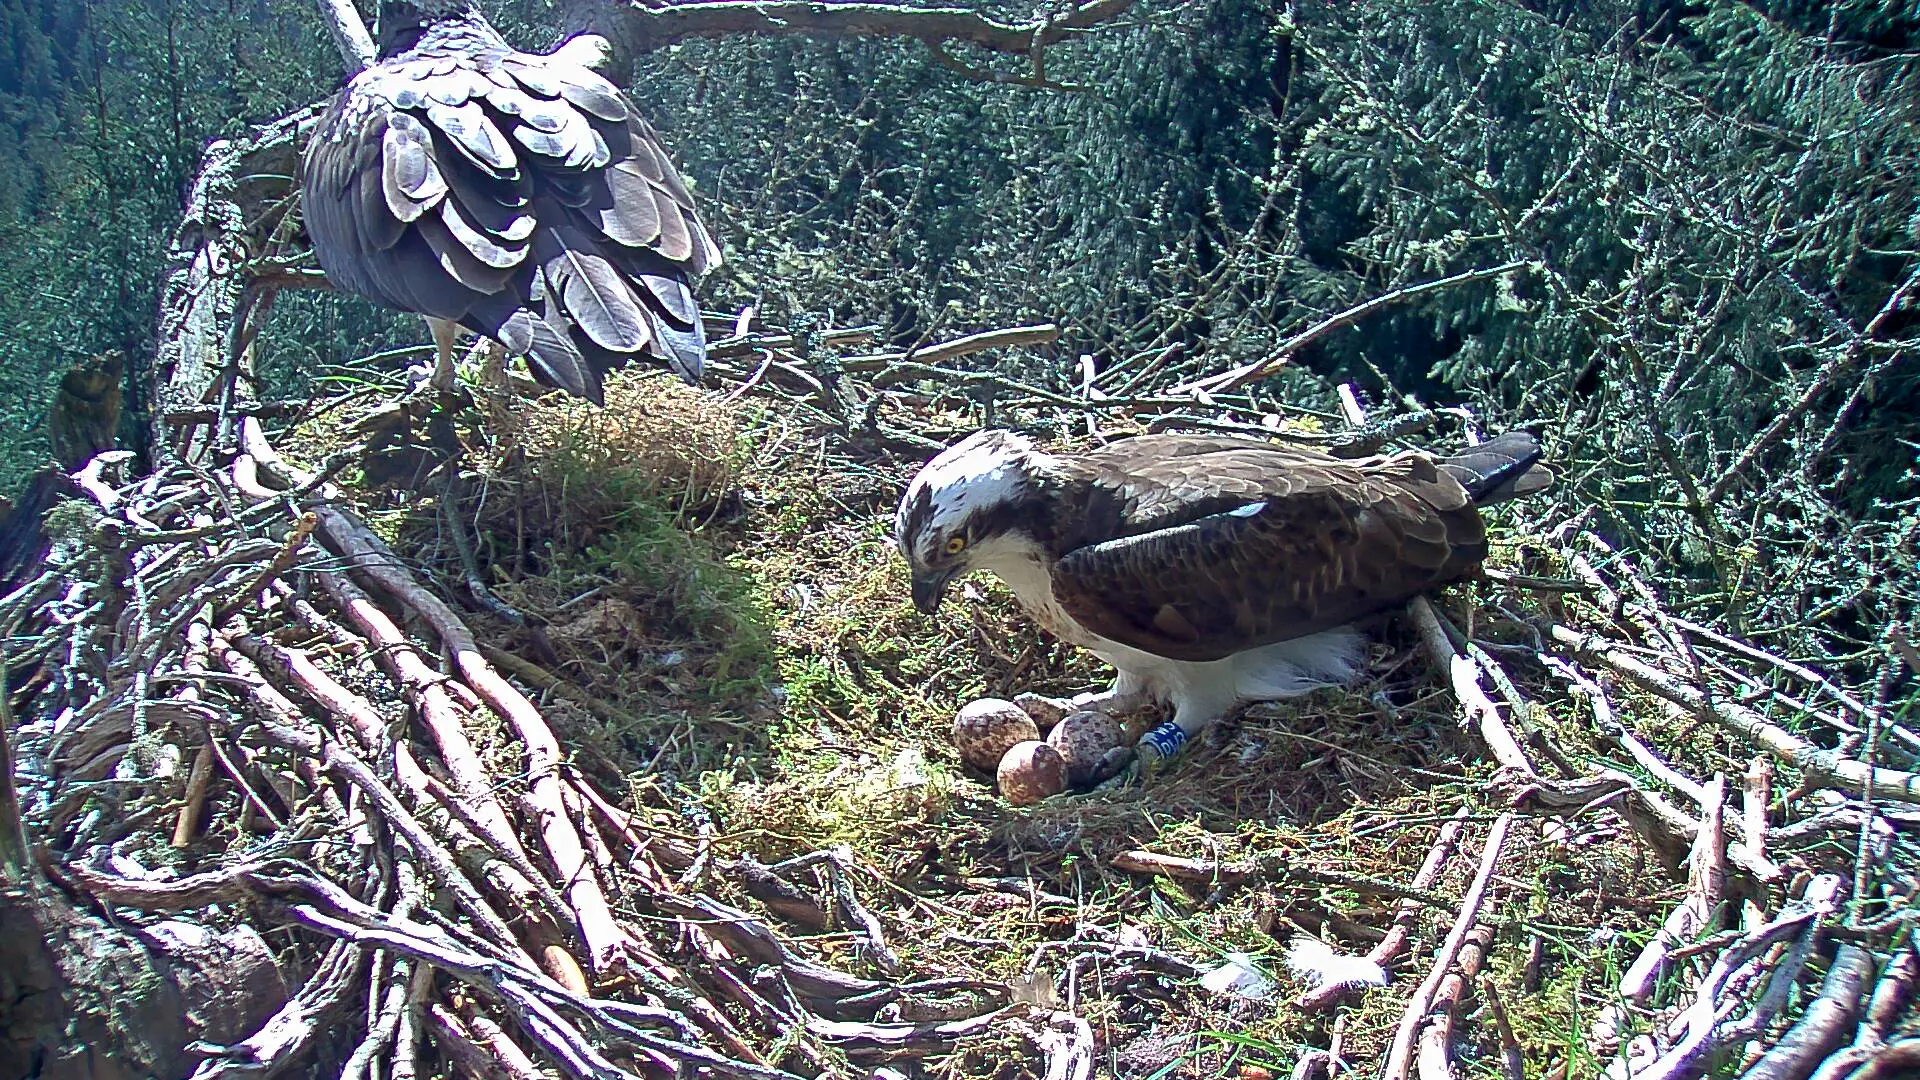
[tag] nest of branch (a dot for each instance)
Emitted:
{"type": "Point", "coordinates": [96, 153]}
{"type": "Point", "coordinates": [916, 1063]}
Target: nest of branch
{"type": "Point", "coordinates": [543, 740]}
{"type": "Point", "coordinates": [622, 753]}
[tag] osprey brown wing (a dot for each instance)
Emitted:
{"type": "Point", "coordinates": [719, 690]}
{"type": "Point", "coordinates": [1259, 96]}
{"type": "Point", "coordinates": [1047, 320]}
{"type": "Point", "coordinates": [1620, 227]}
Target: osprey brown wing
{"type": "Point", "coordinates": [1170, 479]}
{"type": "Point", "coordinates": [517, 195]}
{"type": "Point", "coordinates": [1309, 543]}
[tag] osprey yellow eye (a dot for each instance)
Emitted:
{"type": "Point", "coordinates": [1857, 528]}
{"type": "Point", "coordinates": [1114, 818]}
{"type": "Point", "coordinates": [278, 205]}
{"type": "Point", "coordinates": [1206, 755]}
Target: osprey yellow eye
{"type": "Point", "coordinates": [955, 544]}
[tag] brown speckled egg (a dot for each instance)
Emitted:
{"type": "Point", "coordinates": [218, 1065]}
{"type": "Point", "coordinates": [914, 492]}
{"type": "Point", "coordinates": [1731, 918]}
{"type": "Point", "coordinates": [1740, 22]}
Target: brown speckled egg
{"type": "Point", "coordinates": [984, 729]}
{"type": "Point", "coordinates": [1031, 771]}
{"type": "Point", "coordinates": [1046, 711]}
{"type": "Point", "coordinates": [1083, 739]}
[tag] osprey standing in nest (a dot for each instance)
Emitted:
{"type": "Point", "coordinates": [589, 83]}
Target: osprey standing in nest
{"type": "Point", "coordinates": [1210, 571]}
{"type": "Point", "coordinates": [516, 195]}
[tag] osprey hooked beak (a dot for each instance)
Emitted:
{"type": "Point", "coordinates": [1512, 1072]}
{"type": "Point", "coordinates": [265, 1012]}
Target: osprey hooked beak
{"type": "Point", "coordinates": [929, 586]}
{"type": "Point", "coordinates": [966, 495]}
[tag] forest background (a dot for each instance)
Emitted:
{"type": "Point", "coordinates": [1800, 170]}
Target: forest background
{"type": "Point", "coordinates": [1717, 203]}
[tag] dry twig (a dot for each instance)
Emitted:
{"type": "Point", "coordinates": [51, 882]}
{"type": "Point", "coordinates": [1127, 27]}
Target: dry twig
{"type": "Point", "coordinates": [1400, 1055]}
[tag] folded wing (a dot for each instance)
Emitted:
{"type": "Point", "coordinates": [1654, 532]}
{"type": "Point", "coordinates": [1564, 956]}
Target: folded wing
{"type": "Point", "coordinates": [1232, 544]}
{"type": "Point", "coordinates": [517, 195]}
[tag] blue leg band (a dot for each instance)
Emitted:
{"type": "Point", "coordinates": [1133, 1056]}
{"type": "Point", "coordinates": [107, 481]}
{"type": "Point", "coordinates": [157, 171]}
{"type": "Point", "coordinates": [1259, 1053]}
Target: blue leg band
{"type": "Point", "coordinates": [1164, 741]}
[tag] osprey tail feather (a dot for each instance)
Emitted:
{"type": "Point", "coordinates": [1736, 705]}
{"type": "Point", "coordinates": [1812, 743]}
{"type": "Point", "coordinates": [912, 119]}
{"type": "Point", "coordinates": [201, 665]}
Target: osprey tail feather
{"type": "Point", "coordinates": [1504, 467]}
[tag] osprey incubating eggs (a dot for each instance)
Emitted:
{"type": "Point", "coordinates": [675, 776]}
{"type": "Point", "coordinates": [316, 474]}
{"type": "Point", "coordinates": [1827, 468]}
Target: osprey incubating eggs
{"type": "Point", "coordinates": [1210, 571]}
{"type": "Point", "coordinates": [516, 195]}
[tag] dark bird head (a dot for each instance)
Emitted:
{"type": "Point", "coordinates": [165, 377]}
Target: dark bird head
{"type": "Point", "coordinates": [970, 508]}
{"type": "Point", "coordinates": [402, 22]}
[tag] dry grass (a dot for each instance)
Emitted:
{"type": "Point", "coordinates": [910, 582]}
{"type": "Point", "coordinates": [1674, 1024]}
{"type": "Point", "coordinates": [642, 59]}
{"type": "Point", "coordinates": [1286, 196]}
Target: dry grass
{"type": "Point", "coordinates": [726, 593]}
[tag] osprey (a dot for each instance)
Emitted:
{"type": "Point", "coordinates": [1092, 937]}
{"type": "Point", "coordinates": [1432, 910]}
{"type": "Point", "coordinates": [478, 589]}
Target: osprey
{"type": "Point", "coordinates": [516, 195]}
{"type": "Point", "coordinates": [1210, 571]}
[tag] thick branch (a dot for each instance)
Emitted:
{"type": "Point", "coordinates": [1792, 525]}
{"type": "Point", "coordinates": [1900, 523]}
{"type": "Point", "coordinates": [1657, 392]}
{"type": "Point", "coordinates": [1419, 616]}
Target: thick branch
{"type": "Point", "coordinates": [1706, 1021]}
{"type": "Point", "coordinates": [349, 33]}
{"type": "Point", "coordinates": [1827, 765]}
{"type": "Point", "coordinates": [636, 28]}
{"type": "Point", "coordinates": [202, 298]}
{"type": "Point", "coordinates": [1826, 1023]}
{"type": "Point", "coordinates": [1005, 338]}
{"type": "Point", "coordinates": [1465, 677]}
{"type": "Point", "coordinates": [1400, 1055]}
{"type": "Point", "coordinates": [1706, 888]}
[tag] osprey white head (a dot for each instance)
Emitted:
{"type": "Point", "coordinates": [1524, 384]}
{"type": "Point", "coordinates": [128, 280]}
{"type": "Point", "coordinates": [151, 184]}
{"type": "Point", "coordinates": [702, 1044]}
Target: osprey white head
{"type": "Point", "coordinates": [968, 493]}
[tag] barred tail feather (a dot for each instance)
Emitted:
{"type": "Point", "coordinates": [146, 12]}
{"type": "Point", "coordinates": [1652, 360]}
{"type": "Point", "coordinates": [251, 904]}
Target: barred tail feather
{"type": "Point", "coordinates": [1504, 467]}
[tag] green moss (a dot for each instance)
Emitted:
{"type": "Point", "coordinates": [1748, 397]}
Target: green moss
{"type": "Point", "coordinates": [711, 607]}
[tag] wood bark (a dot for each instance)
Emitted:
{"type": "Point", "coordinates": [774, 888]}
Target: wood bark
{"type": "Point", "coordinates": [89, 1000]}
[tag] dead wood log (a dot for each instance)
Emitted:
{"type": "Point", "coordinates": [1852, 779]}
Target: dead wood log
{"type": "Point", "coordinates": [168, 984]}
{"type": "Point", "coordinates": [349, 33]}
{"type": "Point", "coordinates": [204, 301]}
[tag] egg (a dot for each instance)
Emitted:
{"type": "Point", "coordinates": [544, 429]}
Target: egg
{"type": "Point", "coordinates": [983, 730]}
{"type": "Point", "coordinates": [1085, 741]}
{"type": "Point", "coordinates": [1046, 711]}
{"type": "Point", "coordinates": [1031, 771]}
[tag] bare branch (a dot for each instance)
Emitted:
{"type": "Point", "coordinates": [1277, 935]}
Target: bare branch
{"type": "Point", "coordinates": [1825, 764]}
{"type": "Point", "coordinates": [643, 27]}
{"type": "Point", "coordinates": [1006, 338]}
{"type": "Point", "coordinates": [1826, 1022]}
{"type": "Point", "coordinates": [1283, 352]}
{"type": "Point", "coordinates": [1706, 888]}
{"type": "Point", "coordinates": [1708, 1025]}
{"type": "Point", "coordinates": [1406, 912]}
{"type": "Point", "coordinates": [349, 33]}
{"type": "Point", "coordinates": [1464, 675]}
{"type": "Point", "coordinates": [1837, 369]}
{"type": "Point", "coordinates": [1400, 1056]}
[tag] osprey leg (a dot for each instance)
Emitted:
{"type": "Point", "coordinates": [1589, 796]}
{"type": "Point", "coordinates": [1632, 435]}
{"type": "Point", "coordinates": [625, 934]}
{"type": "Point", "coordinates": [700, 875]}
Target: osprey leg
{"type": "Point", "coordinates": [496, 388]}
{"type": "Point", "coordinates": [1127, 694]}
{"type": "Point", "coordinates": [444, 333]}
{"type": "Point", "coordinates": [1170, 738]}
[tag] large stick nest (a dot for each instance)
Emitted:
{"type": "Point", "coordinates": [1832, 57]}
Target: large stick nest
{"type": "Point", "coordinates": [525, 739]}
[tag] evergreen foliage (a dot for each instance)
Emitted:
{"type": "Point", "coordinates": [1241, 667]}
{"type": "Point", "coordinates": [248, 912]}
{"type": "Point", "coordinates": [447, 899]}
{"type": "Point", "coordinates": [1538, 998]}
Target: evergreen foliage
{"type": "Point", "coordinates": [104, 112]}
{"type": "Point", "coordinates": [1717, 202]}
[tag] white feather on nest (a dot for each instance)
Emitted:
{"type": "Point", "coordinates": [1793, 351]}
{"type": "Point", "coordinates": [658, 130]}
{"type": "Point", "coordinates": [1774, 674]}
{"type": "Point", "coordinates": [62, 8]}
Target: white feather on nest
{"type": "Point", "coordinates": [1239, 976]}
{"type": "Point", "coordinates": [1315, 963]}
